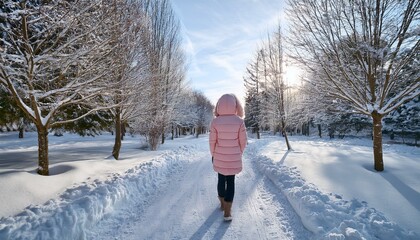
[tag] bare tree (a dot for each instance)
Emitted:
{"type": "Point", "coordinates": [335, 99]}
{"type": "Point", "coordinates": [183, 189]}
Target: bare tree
{"type": "Point", "coordinates": [361, 47]}
{"type": "Point", "coordinates": [166, 69]}
{"type": "Point", "coordinates": [52, 55]}
{"type": "Point", "coordinates": [266, 104]}
{"type": "Point", "coordinates": [276, 87]}
{"type": "Point", "coordinates": [127, 75]}
{"type": "Point", "coordinates": [185, 112]}
{"type": "Point", "coordinates": [203, 111]}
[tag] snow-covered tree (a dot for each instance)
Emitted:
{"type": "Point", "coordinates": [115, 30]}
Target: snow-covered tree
{"type": "Point", "coordinates": [276, 88]}
{"type": "Point", "coordinates": [203, 112]}
{"type": "Point", "coordinates": [166, 70]}
{"type": "Point", "coordinates": [183, 114]}
{"type": "Point", "coordinates": [11, 117]}
{"type": "Point", "coordinates": [253, 106]}
{"type": "Point", "coordinates": [268, 99]}
{"type": "Point", "coordinates": [405, 121]}
{"type": "Point", "coordinates": [52, 56]}
{"type": "Point", "coordinates": [361, 47]}
{"type": "Point", "coordinates": [127, 31]}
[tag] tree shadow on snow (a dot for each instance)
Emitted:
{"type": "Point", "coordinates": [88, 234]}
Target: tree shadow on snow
{"type": "Point", "coordinates": [284, 157]}
{"type": "Point", "coordinates": [409, 193]}
{"type": "Point", "coordinates": [55, 170]}
{"type": "Point", "coordinates": [18, 160]}
{"type": "Point", "coordinates": [406, 191]}
{"type": "Point", "coordinates": [369, 167]}
{"type": "Point", "coordinates": [204, 228]}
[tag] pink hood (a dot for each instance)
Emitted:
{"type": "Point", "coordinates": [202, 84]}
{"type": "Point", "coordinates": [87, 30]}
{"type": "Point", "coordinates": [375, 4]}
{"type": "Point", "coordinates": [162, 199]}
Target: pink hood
{"type": "Point", "coordinates": [228, 104]}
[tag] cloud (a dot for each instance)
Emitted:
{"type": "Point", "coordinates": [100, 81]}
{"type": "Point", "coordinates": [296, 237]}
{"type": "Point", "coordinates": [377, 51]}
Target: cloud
{"type": "Point", "coordinates": [228, 67]}
{"type": "Point", "coordinates": [221, 38]}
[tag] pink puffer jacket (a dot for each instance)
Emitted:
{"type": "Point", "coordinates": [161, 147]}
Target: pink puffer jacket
{"type": "Point", "coordinates": [227, 136]}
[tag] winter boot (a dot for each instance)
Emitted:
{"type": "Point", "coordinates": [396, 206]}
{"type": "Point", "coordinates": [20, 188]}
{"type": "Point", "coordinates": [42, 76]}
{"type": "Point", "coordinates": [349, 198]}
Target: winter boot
{"type": "Point", "coordinates": [227, 216]}
{"type": "Point", "coordinates": [222, 203]}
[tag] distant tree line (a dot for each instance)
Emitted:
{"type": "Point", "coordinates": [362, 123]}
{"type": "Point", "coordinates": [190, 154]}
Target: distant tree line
{"type": "Point", "coordinates": [92, 66]}
{"type": "Point", "coordinates": [361, 63]}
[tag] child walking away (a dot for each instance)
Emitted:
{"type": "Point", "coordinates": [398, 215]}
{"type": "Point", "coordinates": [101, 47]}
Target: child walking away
{"type": "Point", "coordinates": [227, 143]}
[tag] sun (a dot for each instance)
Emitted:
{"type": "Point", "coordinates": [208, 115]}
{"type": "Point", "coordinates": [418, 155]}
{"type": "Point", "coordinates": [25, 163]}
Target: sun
{"type": "Point", "coordinates": [292, 75]}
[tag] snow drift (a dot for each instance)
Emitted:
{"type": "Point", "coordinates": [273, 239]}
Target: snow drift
{"type": "Point", "coordinates": [328, 216]}
{"type": "Point", "coordinates": [79, 208]}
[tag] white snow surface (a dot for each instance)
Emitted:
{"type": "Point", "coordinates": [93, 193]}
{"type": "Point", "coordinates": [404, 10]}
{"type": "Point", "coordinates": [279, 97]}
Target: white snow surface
{"type": "Point", "coordinates": [322, 189]}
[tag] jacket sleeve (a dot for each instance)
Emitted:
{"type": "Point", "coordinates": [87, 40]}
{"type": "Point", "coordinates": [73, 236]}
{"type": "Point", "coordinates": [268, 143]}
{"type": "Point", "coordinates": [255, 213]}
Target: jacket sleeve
{"type": "Point", "coordinates": [212, 138]}
{"type": "Point", "coordinates": [242, 137]}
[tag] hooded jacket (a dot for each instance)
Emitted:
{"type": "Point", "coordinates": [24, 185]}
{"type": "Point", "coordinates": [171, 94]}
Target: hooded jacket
{"type": "Point", "coordinates": [227, 136]}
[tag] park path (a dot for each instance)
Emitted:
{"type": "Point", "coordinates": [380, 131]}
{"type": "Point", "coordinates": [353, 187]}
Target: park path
{"type": "Point", "coordinates": [186, 207]}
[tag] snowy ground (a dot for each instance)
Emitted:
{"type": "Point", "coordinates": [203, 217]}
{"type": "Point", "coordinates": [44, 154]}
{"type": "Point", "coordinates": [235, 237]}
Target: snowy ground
{"type": "Point", "coordinates": [322, 190]}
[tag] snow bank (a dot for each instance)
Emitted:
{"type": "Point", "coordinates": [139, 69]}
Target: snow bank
{"type": "Point", "coordinates": [328, 216]}
{"type": "Point", "coordinates": [81, 207]}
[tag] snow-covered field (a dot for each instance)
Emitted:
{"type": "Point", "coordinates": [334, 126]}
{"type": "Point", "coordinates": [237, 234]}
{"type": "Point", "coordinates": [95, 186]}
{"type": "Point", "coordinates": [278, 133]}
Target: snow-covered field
{"type": "Point", "coordinates": [323, 189]}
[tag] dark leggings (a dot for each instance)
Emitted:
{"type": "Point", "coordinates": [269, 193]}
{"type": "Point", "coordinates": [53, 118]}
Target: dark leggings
{"type": "Point", "coordinates": [226, 187]}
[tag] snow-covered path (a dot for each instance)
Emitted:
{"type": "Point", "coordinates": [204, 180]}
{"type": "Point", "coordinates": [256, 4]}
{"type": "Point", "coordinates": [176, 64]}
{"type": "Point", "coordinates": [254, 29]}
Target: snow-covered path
{"type": "Point", "coordinates": [186, 207]}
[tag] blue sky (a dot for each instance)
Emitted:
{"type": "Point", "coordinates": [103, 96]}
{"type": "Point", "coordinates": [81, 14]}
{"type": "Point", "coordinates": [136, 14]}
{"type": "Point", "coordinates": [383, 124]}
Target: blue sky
{"type": "Point", "coordinates": [220, 38]}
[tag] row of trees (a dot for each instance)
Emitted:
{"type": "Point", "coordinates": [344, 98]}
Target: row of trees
{"type": "Point", "coordinates": [361, 60]}
{"type": "Point", "coordinates": [85, 65]}
{"type": "Point", "coordinates": [266, 104]}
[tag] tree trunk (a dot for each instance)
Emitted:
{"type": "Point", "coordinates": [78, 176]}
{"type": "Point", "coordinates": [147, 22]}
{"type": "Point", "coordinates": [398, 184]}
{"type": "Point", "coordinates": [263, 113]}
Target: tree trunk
{"type": "Point", "coordinates": [319, 131]}
{"type": "Point", "coordinates": [21, 131]}
{"type": "Point", "coordinates": [287, 141]}
{"type": "Point", "coordinates": [377, 142]}
{"type": "Point", "coordinates": [117, 144]}
{"type": "Point", "coordinates": [304, 129]}
{"type": "Point", "coordinates": [283, 130]}
{"type": "Point", "coordinates": [153, 140]}
{"type": "Point", "coordinates": [258, 132]}
{"type": "Point", "coordinates": [123, 131]}
{"type": "Point", "coordinates": [197, 132]}
{"type": "Point", "coordinates": [43, 151]}
{"type": "Point", "coordinates": [308, 129]}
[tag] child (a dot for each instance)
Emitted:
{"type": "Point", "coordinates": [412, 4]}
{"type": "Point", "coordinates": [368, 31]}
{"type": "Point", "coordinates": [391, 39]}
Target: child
{"type": "Point", "coordinates": [227, 143]}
